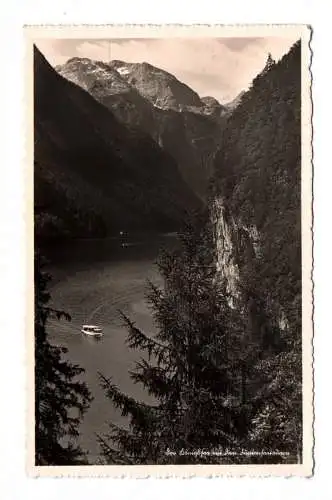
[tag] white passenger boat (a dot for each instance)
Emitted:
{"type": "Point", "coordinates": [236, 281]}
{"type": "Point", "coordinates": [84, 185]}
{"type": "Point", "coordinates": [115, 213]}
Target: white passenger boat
{"type": "Point", "coordinates": [93, 330]}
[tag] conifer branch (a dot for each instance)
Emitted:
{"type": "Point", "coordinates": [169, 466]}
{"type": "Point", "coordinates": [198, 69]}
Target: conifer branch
{"type": "Point", "coordinates": [137, 339]}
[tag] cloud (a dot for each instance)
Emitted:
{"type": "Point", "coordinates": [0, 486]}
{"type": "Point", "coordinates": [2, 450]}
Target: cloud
{"type": "Point", "coordinates": [238, 44]}
{"type": "Point", "coordinates": [220, 67]}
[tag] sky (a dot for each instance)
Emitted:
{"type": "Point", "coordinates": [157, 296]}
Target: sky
{"type": "Point", "coordinates": [217, 67]}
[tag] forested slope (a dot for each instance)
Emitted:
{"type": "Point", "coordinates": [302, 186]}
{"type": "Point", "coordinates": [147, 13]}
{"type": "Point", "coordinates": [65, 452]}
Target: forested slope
{"type": "Point", "coordinates": [258, 177]}
{"type": "Point", "coordinates": [93, 174]}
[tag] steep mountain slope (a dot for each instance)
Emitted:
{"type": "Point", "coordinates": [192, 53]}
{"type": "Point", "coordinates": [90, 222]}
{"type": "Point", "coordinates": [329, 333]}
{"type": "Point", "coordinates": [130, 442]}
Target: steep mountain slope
{"type": "Point", "coordinates": [94, 175]}
{"type": "Point", "coordinates": [185, 126]}
{"type": "Point", "coordinates": [257, 210]}
{"type": "Point", "coordinates": [157, 85]}
{"type": "Point", "coordinates": [230, 106]}
{"type": "Point", "coordinates": [258, 193]}
{"type": "Point", "coordinates": [108, 87]}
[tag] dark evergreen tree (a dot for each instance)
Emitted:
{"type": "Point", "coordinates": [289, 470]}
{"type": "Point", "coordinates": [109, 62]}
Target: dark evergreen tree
{"type": "Point", "coordinates": [192, 369]}
{"type": "Point", "coordinates": [60, 400]}
{"type": "Point", "coordinates": [270, 62]}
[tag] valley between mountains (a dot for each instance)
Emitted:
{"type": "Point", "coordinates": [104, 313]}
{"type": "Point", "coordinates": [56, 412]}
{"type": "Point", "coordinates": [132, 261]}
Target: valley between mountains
{"type": "Point", "coordinates": [119, 147]}
{"type": "Point", "coordinates": [136, 178]}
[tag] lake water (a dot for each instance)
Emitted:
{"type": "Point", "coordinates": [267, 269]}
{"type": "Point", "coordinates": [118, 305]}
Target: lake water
{"type": "Point", "coordinates": [93, 280]}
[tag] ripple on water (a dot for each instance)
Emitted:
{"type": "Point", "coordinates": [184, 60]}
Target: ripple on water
{"type": "Point", "coordinates": [97, 297]}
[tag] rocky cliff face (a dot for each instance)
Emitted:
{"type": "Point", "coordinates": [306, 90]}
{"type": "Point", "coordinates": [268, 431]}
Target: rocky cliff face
{"type": "Point", "coordinates": [257, 198]}
{"type": "Point", "coordinates": [141, 95]}
{"type": "Point", "coordinates": [225, 238]}
{"type": "Point", "coordinates": [93, 174]}
{"type": "Point", "coordinates": [158, 86]}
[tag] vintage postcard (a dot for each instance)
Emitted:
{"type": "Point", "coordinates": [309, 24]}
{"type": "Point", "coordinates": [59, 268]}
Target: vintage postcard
{"type": "Point", "coordinates": [169, 240]}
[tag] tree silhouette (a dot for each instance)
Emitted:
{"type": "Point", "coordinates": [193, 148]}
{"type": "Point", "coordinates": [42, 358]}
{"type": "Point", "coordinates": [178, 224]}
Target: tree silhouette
{"type": "Point", "coordinates": [191, 367]}
{"type": "Point", "coordinates": [60, 400]}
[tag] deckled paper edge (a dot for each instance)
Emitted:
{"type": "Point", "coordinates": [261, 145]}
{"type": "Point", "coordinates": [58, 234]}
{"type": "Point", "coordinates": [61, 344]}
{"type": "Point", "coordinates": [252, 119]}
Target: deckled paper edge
{"type": "Point", "coordinates": [33, 33]}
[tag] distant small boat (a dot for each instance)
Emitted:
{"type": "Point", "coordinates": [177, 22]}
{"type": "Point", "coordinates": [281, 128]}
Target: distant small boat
{"type": "Point", "coordinates": [94, 331]}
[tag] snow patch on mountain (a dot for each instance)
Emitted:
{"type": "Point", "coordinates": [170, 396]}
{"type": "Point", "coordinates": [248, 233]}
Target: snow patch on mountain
{"type": "Point", "coordinates": [123, 71]}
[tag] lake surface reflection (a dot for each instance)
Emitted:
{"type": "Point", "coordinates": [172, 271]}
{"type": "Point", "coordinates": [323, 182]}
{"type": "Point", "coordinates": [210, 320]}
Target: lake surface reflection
{"type": "Point", "coordinates": [93, 280]}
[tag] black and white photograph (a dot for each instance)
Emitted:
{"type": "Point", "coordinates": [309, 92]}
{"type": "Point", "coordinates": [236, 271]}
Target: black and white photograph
{"type": "Point", "coordinates": [171, 322]}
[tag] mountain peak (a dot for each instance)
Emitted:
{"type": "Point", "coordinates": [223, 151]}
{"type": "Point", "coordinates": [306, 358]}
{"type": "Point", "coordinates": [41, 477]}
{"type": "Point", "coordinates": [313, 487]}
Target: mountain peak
{"type": "Point", "coordinates": [89, 164]}
{"type": "Point", "coordinates": [115, 63]}
{"type": "Point", "coordinates": [77, 59]}
{"type": "Point", "coordinates": [160, 88]}
{"type": "Point", "coordinates": [96, 76]}
{"type": "Point", "coordinates": [210, 101]}
{"type": "Point", "coordinates": [156, 85]}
